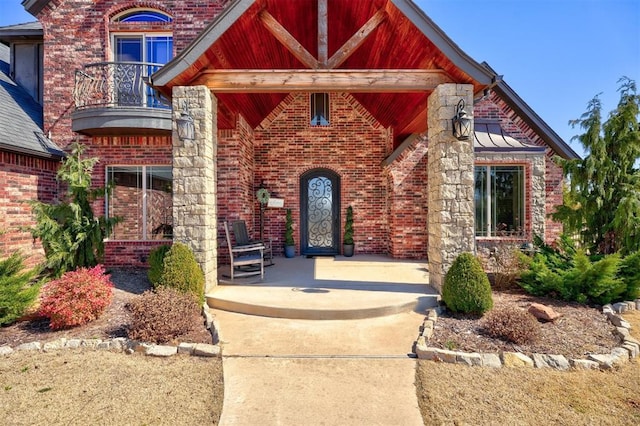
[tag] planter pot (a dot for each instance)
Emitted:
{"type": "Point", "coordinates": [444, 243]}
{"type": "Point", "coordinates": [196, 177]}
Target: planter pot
{"type": "Point", "coordinates": [347, 250]}
{"type": "Point", "coordinates": [289, 251]}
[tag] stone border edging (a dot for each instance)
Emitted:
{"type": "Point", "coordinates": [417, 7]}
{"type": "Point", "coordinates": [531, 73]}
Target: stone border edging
{"type": "Point", "coordinates": [128, 346]}
{"type": "Point", "coordinates": [629, 349]}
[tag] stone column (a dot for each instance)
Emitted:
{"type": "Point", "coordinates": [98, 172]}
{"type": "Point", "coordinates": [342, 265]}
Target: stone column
{"type": "Point", "coordinates": [194, 179]}
{"type": "Point", "coordinates": [451, 219]}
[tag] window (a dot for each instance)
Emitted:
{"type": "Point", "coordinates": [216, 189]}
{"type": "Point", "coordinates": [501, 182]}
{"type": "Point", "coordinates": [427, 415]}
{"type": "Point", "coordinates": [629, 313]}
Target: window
{"type": "Point", "coordinates": [139, 54]}
{"type": "Point", "coordinates": [499, 201]}
{"type": "Point", "coordinates": [319, 109]}
{"type": "Point", "coordinates": [142, 197]}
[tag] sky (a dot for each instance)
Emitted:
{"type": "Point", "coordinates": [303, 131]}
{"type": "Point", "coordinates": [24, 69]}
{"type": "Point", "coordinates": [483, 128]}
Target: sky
{"type": "Point", "coordinates": [556, 54]}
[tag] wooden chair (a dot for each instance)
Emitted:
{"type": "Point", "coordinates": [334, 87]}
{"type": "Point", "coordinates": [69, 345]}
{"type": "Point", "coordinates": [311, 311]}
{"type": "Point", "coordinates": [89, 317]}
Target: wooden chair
{"type": "Point", "coordinates": [242, 239]}
{"type": "Point", "coordinates": [247, 255]}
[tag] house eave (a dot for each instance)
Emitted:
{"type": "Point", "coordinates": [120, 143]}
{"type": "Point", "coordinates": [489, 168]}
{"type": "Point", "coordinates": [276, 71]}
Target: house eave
{"type": "Point", "coordinates": [30, 152]}
{"type": "Point", "coordinates": [34, 6]}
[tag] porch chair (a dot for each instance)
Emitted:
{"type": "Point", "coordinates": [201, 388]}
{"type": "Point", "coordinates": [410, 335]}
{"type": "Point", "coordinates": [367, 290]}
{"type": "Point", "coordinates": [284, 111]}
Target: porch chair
{"type": "Point", "coordinates": [247, 255]}
{"type": "Point", "coordinates": [242, 239]}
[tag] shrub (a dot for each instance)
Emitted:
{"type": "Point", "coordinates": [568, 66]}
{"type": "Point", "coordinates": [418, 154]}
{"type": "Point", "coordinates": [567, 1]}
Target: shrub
{"type": "Point", "coordinates": [162, 315]}
{"type": "Point", "coordinates": [506, 263]}
{"type": "Point", "coordinates": [182, 272]}
{"type": "Point", "coordinates": [511, 324]}
{"type": "Point", "coordinates": [77, 297]}
{"type": "Point", "coordinates": [466, 286]}
{"type": "Point", "coordinates": [156, 264]}
{"type": "Point", "coordinates": [17, 288]}
{"type": "Point", "coordinates": [572, 275]}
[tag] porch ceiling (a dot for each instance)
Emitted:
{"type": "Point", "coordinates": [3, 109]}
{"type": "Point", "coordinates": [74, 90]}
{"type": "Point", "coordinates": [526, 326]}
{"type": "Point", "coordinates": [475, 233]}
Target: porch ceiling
{"type": "Point", "coordinates": [287, 35]}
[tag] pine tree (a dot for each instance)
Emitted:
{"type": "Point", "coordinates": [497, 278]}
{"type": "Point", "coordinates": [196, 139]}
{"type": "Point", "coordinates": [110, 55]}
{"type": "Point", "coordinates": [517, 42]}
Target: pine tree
{"type": "Point", "coordinates": [602, 204]}
{"type": "Point", "coordinates": [71, 235]}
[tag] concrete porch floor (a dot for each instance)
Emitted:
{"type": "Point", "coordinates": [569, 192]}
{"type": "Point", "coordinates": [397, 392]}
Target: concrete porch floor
{"type": "Point", "coordinates": [328, 288]}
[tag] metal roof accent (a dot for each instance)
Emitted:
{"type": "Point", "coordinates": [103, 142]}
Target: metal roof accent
{"type": "Point", "coordinates": [489, 136]}
{"type": "Point", "coordinates": [21, 118]}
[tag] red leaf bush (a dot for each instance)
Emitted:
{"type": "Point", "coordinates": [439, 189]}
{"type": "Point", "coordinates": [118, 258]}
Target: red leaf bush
{"type": "Point", "coordinates": [77, 297]}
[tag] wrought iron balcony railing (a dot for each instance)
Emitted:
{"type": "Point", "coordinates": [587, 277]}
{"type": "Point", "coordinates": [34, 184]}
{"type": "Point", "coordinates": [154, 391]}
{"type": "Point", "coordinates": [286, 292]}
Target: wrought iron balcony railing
{"type": "Point", "coordinates": [117, 84]}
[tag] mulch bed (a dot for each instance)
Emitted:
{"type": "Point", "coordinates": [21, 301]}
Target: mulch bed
{"type": "Point", "coordinates": [581, 330]}
{"type": "Point", "coordinates": [128, 282]}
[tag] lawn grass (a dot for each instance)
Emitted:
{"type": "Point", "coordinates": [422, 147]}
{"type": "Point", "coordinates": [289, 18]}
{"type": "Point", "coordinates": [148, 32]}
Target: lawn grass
{"type": "Point", "coordinates": [455, 394]}
{"type": "Point", "coordinates": [98, 387]}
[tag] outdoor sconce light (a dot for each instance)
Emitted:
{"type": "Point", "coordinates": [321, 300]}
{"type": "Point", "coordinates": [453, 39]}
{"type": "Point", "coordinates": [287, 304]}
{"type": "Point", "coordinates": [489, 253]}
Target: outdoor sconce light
{"type": "Point", "coordinates": [186, 128]}
{"type": "Point", "coordinates": [461, 123]}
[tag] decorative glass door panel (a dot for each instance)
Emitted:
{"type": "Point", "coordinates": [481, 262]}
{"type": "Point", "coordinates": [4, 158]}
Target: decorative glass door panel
{"type": "Point", "coordinates": [320, 212]}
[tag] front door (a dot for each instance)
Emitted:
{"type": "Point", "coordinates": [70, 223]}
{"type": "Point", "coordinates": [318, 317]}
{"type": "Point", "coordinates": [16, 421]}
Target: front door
{"type": "Point", "coordinates": [320, 212]}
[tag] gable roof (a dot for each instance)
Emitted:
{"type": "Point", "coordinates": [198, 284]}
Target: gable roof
{"type": "Point", "coordinates": [21, 118]}
{"type": "Point", "coordinates": [17, 32]}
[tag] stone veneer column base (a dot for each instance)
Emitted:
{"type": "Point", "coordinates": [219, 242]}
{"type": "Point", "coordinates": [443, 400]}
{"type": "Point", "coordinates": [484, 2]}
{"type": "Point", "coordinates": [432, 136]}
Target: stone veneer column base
{"type": "Point", "coordinates": [194, 179]}
{"type": "Point", "coordinates": [450, 172]}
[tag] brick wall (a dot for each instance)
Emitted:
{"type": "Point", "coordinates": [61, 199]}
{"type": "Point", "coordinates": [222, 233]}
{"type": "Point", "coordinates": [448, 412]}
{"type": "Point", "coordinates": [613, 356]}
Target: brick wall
{"type": "Point", "coordinates": [353, 146]}
{"type": "Point", "coordinates": [23, 178]}
{"type": "Point", "coordinates": [76, 32]}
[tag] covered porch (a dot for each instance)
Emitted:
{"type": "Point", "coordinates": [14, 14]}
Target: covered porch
{"type": "Point", "coordinates": [329, 288]}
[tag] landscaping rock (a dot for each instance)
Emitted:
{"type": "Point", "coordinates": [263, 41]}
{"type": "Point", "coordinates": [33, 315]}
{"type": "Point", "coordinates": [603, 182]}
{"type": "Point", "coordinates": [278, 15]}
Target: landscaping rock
{"type": "Point", "coordinates": [203, 349]}
{"type": "Point", "coordinates": [620, 307]}
{"type": "Point", "coordinates": [516, 359]}
{"type": "Point", "coordinates": [186, 348]}
{"type": "Point", "coordinates": [557, 362]}
{"type": "Point", "coordinates": [638, 304]}
{"type": "Point", "coordinates": [605, 361]}
{"type": "Point", "coordinates": [118, 344]}
{"type": "Point", "coordinates": [618, 321]}
{"type": "Point", "coordinates": [5, 350]}
{"type": "Point", "coordinates": [90, 343]}
{"type": "Point", "coordinates": [162, 351]}
{"type": "Point", "coordinates": [427, 329]}
{"type": "Point", "coordinates": [607, 309]}
{"type": "Point", "coordinates": [470, 359]}
{"type": "Point", "coordinates": [491, 360]}
{"type": "Point", "coordinates": [632, 349]}
{"type": "Point", "coordinates": [620, 356]}
{"type": "Point", "coordinates": [425, 352]}
{"type": "Point", "coordinates": [631, 306]}
{"type": "Point", "coordinates": [446, 355]}
{"type": "Point", "coordinates": [542, 312]}
{"type": "Point", "coordinates": [31, 346]}
{"type": "Point", "coordinates": [432, 315]}
{"type": "Point", "coordinates": [73, 343]}
{"type": "Point", "coordinates": [54, 345]}
{"type": "Point", "coordinates": [629, 338]}
{"type": "Point", "coordinates": [584, 364]}
{"type": "Point", "coordinates": [104, 346]}
{"type": "Point", "coordinates": [622, 332]}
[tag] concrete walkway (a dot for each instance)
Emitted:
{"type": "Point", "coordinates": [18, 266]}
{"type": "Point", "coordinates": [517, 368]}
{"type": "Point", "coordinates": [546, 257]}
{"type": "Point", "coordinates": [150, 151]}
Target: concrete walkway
{"type": "Point", "coordinates": [323, 342]}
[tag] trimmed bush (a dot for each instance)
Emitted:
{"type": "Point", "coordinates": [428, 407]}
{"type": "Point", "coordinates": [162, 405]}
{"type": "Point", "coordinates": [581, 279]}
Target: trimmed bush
{"type": "Point", "coordinates": [181, 272]}
{"type": "Point", "coordinates": [156, 264]}
{"type": "Point", "coordinates": [466, 287]}
{"type": "Point", "coordinates": [18, 291]}
{"type": "Point", "coordinates": [511, 324]}
{"type": "Point", "coordinates": [76, 298]}
{"type": "Point", "coordinates": [162, 315]}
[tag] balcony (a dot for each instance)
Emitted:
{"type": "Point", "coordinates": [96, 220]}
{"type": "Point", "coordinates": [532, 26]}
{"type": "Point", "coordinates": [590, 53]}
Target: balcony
{"type": "Point", "coordinates": [112, 98]}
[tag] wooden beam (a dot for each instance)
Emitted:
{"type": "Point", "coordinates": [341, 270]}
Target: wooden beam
{"type": "Point", "coordinates": [287, 40]}
{"type": "Point", "coordinates": [353, 81]}
{"type": "Point", "coordinates": [356, 40]}
{"type": "Point", "coordinates": [323, 43]}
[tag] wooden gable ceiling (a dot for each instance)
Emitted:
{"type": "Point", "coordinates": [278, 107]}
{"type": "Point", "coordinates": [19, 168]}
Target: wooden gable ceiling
{"type": "Point", "coordinates": [392, 42]}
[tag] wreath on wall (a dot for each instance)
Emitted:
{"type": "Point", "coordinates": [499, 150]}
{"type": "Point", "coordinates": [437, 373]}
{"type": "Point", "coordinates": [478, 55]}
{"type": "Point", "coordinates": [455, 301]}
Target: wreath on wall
{"type": "Point", "coordinates": [262, 195]}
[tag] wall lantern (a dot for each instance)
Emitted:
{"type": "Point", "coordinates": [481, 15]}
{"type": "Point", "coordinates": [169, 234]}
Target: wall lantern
{"type": "Point", "coordinates": [186, 128]}
{"type": "Point", "coordinates": [461, 123]}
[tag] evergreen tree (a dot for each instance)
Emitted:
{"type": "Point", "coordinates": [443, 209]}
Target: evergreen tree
{"type": "Point", "coordinates": [602, 203]}
{"type": "Point", "coordinates": [71, 235]}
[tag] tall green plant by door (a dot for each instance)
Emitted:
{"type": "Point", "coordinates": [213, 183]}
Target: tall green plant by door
{"type": "Point", "coordinates": [72, 236]}
{"type": "Point", "coordinates": [347, 238]}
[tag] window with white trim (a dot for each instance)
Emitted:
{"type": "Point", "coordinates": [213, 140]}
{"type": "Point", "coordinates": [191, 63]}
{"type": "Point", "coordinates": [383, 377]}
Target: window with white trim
{"type": "Point", "coordinates": [499, 200]}
{"type": "Point", "coordinates": [142, 197]}
{"type": "Point", "coordinates": [139, 54]}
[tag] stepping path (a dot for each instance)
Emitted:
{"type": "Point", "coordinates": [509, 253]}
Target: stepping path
{"type": "Point", "coordinates": [334, 372]}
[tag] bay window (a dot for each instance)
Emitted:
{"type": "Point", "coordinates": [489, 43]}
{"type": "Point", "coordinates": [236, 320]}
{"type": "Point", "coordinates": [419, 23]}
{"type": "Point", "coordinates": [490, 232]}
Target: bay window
{"type": "Point", "coordinates": [141, 196]}
{"type": "Point", "coordinates": [499, 201]}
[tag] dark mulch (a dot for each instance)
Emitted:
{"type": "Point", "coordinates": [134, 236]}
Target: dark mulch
{"type": "Point", "coordinates": [128, 283]}
{"type": "Point", "coordinates": [581, 330]}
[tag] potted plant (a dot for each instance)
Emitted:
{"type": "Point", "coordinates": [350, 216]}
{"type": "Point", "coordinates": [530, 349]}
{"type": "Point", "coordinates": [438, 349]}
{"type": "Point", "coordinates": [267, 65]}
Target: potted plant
{"type": "Point", "coordinates": [347, 239]}
{"type": "Point", "coordinates": [289, 243]}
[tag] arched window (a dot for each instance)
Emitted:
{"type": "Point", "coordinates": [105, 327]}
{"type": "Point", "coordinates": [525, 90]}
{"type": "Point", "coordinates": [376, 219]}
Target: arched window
{"type": "Point", "coordinates": [132, 45]}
